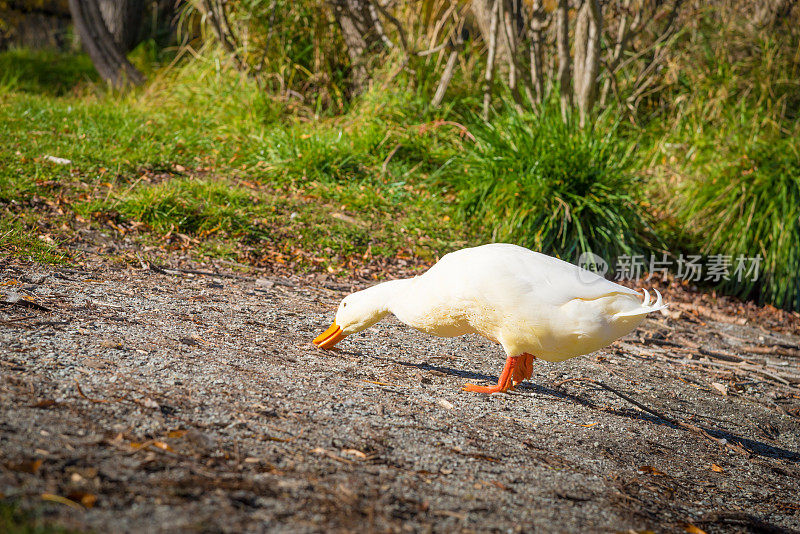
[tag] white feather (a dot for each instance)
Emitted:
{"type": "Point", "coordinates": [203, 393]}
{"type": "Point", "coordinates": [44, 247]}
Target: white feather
{"type": "Point", "coordinates": [526, 301]}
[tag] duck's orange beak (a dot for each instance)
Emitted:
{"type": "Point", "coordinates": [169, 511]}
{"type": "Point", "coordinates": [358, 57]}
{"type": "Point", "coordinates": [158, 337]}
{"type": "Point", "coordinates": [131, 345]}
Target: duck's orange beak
{"type": "Point", "coordinates": [329, 337]}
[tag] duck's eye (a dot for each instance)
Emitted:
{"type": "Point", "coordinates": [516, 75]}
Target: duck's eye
{"type": "Point", "coordinates": [344, 304]}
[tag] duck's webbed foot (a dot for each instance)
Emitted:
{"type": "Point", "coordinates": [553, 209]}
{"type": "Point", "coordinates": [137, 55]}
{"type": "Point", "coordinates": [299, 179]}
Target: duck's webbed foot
{"type": "Point", "coordinates": [504, 383]}
{"type": "Point", "coordinates": [524, 368]}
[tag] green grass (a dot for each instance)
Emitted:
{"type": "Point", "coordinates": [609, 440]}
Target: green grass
{"type": "Point", "coordinates": [745, 200]}
{"type": "Point", "coordinates": [204, 159]}
{"type": "Point", "coordinates": [21, 241]}
{"type": "Point", "coordinates": [183, 154]}
{"type": "Point", "coordinates": [13, 520]}
{"type": "Point", "coordinates": [44, 72]}
{"type": "Point", "coordinates": [727, 160]}
{"type": "Point", "coordinates": [552, 187]}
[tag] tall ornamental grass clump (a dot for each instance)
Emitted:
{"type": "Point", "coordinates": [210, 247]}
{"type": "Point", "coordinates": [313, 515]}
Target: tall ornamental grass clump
{"type": "Point", "coordinates": [750, 206]}
{"type": "Point", "coordinates": [552, 187]}
{"type": "Point", "coordinates": [728, 151]}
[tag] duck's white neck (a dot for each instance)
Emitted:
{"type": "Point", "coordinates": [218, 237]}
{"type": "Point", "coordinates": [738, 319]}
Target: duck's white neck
{"type": "Point", "coordinates": [383, 297]}
{"type": "Point", "coordinates": [365, 308]}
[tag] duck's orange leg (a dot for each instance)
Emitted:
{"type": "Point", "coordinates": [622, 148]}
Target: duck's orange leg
{"type": "Point", "coordinates": [504, 383]}
{"type": "Point", "coordinates": [524, 368]}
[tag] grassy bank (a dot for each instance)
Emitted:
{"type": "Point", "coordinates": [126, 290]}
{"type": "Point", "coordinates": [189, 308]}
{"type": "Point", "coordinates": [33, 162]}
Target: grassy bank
{"type": "Point", "coordinates": [207, 155]}
{"type": "Point", "coordinates": [203, 160]}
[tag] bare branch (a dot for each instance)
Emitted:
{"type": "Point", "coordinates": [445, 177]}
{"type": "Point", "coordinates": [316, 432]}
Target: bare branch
{"type": "Point", "coordinates": [535, 49]}
{"type": "Point", "coordinates": [447, 75]}
{"type": "Point", "coordinates": [401, 32]}
{"type": "Point", "coordinates": [564, 71]}
{"type": "Point", "coordinates": [511, 47]}
{"type": "Point", "coordinates": [580, 42]}
{"type": "Point", "coordinates": [490, 57]}
{"type": "Point", "coordinates": [588, 92]}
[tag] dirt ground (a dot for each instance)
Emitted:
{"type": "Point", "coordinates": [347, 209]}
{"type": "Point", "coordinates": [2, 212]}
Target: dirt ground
{"type": "Point", "coordinates": [144, 400]}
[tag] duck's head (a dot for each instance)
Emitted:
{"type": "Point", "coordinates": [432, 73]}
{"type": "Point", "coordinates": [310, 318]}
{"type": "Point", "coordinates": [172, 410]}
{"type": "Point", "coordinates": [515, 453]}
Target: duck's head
{"type": "Point", "coordinates": [356, 312]}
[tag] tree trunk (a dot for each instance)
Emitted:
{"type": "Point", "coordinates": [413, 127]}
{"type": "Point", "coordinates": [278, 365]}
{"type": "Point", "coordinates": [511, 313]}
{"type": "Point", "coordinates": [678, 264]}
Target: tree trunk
{"type": "Point", "coordinates": [564, 71]}
{"type": "Point", "coordinates": [624, 31]}
{"type": "Point", "coordinates": [123, 19]}
{"type": "Point", "coordinates": [580, 41]}
{"type": "Point", "coordinates": [360, 32]}
{"type": "Point", "coordinates": [107, 56]}
{"type": "Point", "coordinates": [447, 75]}
{"type": "Point", "coordinates": [591, 67]}
{"type": "Point", "coordinates": [535, 34]}
{"type": "Point", "coordinates": [505, 19]}
{"type": "Point", "coordinates": [488, 77]}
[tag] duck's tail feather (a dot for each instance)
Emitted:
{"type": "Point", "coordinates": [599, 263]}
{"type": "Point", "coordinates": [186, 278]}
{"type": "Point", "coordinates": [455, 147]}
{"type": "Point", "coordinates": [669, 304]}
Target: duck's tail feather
{"type": "Point", "coordinates": [645, 308]}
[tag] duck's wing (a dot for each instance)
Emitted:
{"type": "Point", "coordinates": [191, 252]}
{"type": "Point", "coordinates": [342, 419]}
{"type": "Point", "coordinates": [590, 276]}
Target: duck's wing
{"type": "Point", "coordinates": [560, 282]}
{"type": "Point", "coordinates": [518, 273]}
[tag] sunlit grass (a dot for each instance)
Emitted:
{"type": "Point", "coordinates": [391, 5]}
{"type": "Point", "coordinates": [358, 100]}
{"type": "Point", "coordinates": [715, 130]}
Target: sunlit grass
{"type": "Point", "coordinates": [44, 71]}
{"type": "Point", "coordinates": [727, 160]}
{"type": "Point", "coordinates": [17, 240]}
{"type": "Point", "coordinates": [552, 187]}
{"type": "Point", "coordinates": [227, 170]}
{"type": "Point", "coordinates": [747, 203]}
{"type": "Point", "coordinates": [204, 151]}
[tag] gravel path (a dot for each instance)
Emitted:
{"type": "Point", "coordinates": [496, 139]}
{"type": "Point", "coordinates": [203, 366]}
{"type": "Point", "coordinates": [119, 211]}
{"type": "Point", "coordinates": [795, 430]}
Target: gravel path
{"type": "Point", "coordinates": [155, 402]}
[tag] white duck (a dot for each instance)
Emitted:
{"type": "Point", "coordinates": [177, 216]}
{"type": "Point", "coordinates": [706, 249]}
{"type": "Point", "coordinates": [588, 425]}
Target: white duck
{"type": "Point", "coordinates": [534, 305]}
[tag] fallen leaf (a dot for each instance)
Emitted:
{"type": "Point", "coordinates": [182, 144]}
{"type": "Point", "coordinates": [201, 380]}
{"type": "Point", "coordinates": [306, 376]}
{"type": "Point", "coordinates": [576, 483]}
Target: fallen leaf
{"type": "Point", "coordinates": [446, 404]}
{"type": "Point", "coordinates": [355, 452]}
{"type": "Point", "coordinates": [329, 454]}
{"type": "Point", "coordinates": [30, 466]}
{"type": "Point", "coordinates": [691, 529]}
{"type": "Point", "coordinates": [498, 484]}
{"type": "Point", "coordinates": [717, 469]}
{"type": "Point", "coordinates": [86, 499]}
{"type": "Point", "coordinates": [448, 513]}
{"type": "Point", "coordinates": [346, 218]}
{"type": "Point", "coordinates": [44, 403]}
{"type": "Point", "coordinates": [649, 469]}
{"type": "Point", "coordinates": [150, 403]}
{"type": "Point", "coordinates": [176, 433]}
{"type": "Point", "coordinates": [722, 388]}
{"type": "Point", "coordinates": [163, 446]}
{"type": "Point", "coordinates": [281, 440]}
{"type": "Point", "coordinates": [61, 500]}
{"type": "Point", "coordinates": [589, 425]}
{"type": "Point", "coordinates": [59, 161]}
